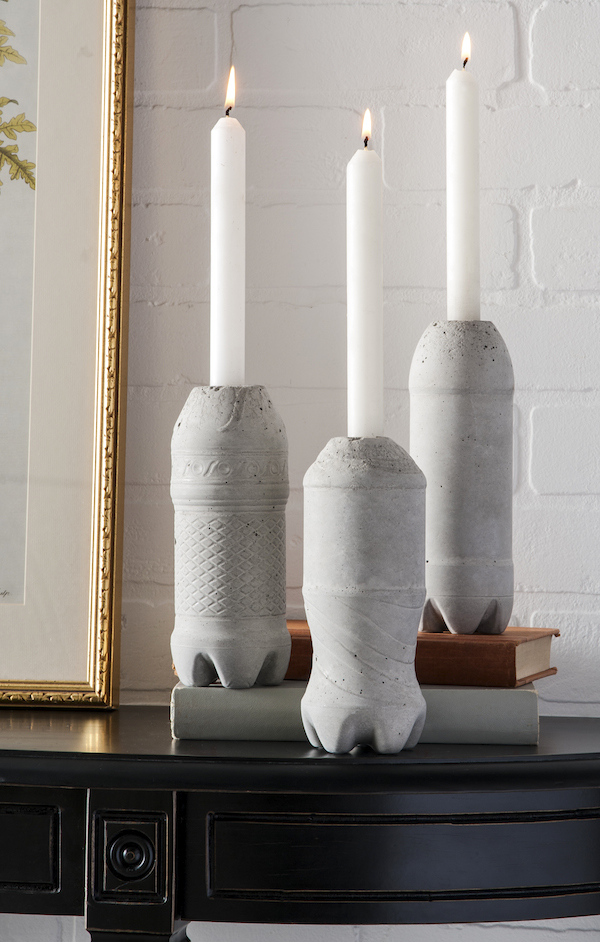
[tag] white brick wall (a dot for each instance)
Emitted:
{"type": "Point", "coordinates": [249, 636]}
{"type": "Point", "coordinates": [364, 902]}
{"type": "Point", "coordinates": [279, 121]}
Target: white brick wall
{"type": "Point", "coordinates": [565, 45]}
{"type": "Point", "coordinates": [306, 71]}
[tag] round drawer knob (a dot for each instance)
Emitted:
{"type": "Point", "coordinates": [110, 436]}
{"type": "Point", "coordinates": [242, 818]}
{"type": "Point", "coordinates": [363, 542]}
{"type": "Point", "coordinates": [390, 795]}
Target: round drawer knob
{"type": "Point", "coordinates": [131, 855]}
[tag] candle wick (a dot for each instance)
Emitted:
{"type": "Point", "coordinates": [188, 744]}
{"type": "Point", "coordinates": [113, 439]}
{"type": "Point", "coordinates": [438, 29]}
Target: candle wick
{"type": "Point", "coordinates": [465, 62]}
{"type": "Point", "coordinates": [227, 110]}
{"type": "Point", "coordinates": [366, 142]}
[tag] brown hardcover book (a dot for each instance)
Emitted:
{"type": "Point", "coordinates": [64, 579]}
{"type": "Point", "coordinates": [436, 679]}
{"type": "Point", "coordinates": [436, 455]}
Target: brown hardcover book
{"type": "Point", "coordinates": [301, 656]}
{"type": "Point", "coordinates": [516, 657]}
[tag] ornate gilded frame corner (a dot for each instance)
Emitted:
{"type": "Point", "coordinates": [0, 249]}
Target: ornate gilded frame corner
{"type": "Point", "coordinates": [100, 690]}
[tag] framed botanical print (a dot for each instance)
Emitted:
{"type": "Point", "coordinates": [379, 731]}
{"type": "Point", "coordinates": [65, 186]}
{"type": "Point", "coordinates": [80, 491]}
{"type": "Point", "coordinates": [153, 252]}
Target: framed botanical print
{"type": "Point", "coordinates": [65, 102]}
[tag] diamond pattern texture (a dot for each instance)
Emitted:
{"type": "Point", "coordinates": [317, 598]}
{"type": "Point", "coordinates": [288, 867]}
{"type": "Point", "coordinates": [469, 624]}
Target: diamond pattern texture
{"type": "Point", "coordinates": [230, 565]}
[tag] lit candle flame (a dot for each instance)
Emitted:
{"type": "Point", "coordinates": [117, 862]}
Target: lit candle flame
{"type": "Point", "coordinates": [230, 96]}
{"type": "Point", "coordinates": [466, 49]}
{"type": "Point", "coordinates": [366, 128]}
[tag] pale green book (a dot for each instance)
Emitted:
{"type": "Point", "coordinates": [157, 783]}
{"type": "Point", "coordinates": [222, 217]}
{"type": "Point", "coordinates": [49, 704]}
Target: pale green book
{"type": "Point", "coordinates": [487, 715]}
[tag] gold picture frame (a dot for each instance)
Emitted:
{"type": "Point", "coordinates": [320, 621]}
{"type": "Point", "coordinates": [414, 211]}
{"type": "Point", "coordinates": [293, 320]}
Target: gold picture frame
{"type": "Point", "coordinates": [88, 633]}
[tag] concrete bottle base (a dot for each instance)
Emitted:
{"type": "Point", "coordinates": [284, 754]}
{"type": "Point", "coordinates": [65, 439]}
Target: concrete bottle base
{"type": "Point", "coordinates": [229, 487]}
{"type": "Point", "coordinates": [364, 542]}
{"type": "Point", "coordinates": [461, 421]}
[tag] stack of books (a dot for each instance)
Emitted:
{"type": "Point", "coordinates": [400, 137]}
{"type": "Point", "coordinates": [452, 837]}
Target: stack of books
{"type": "Point", "coordinates": [478, 688]}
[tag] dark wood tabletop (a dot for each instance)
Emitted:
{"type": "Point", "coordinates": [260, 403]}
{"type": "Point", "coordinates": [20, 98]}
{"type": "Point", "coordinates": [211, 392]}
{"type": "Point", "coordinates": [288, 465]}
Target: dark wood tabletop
{"type": "Point", "coordinates": [108, 746]}
{"type": "Point", "coordinates": [283, 833]}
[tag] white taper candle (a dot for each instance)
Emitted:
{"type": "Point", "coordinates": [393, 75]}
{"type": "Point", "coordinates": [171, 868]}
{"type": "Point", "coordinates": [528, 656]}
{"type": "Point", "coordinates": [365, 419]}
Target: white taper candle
{"type": "Point", "coordinates": [364, 212]}
{"type": "Point", "coordinates": [462, 192]}
{"type": "Point", "coordinates": [228, 248]}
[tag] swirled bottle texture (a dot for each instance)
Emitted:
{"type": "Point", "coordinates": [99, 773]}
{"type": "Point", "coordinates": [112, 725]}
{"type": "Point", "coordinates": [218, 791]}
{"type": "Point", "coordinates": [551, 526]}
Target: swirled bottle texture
{"type": "Point", "coordinates": [364, 588]}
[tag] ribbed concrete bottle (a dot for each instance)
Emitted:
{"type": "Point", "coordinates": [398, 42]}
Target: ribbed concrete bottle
{"type": "Point", "coordinates": [229, 486]}
{"type": "Point", "coordinates": [461, 428]}
{"type": "Point", "coordinates": [364, 588]}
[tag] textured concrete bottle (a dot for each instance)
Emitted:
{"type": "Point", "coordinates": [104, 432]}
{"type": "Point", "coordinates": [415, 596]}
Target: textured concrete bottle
{"type": "Point", "coordinates": [229, 486]}
{"type": "Point", "coordinates": [461, 420]}
{"type": "Point", "coordinates": [364, 588]}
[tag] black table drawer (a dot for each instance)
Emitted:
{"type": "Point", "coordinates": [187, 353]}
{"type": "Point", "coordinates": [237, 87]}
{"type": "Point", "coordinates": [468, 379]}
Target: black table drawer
{"type": "Point", "coordinates": [43, 836]}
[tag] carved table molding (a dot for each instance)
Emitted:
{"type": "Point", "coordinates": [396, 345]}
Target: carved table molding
{"type": "Point", "coordinates": [103, 814]}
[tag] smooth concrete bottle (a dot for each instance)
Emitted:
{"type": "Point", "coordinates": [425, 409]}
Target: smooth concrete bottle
{"type": "Point", "coordinates": [364, 588]}
{"type": "Point", "coordinates": [461, 429]}
{"type": "Point", "coordinates": [229, 486]}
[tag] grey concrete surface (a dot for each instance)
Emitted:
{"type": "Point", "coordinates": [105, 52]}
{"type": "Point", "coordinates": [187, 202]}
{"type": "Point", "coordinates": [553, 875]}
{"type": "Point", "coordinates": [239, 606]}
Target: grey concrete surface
{"type": "Point", "coordinates": [364, 569]}
{"type": "Point", "coordinates": [229, 487]}
{"type": "Point", "coordinates": [461, 429]}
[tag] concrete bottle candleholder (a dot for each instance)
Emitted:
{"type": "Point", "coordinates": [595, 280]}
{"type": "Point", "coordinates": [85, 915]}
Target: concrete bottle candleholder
{"type": "Point", "coordinates": [229, 486]}
{"type": "Point", "coordinates": [461, 405]}
{"type": "Point", "coordinates": [364, 588]}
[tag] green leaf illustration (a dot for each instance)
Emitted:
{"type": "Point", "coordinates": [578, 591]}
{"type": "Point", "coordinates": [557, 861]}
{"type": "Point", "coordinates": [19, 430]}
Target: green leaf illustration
{"type": "Point", "coordinates": [7, 52]}
{"type": "Point", "coordinates": [18, 169]}
{"type": "Point", "coordinates": [18, 124]}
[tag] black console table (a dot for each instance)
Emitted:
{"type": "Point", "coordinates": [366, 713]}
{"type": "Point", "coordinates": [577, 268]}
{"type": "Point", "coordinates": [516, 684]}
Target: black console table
{"type": "Point", "coordinates": [102, 814]}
